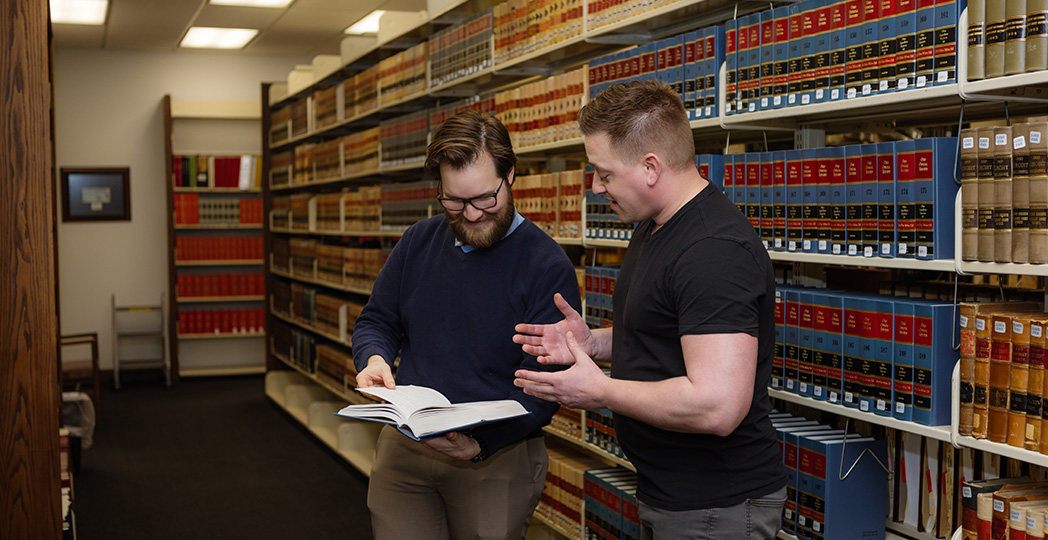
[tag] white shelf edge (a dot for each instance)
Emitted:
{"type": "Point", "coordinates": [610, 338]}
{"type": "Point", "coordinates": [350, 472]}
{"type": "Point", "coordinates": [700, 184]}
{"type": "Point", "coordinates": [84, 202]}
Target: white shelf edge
{"type": "Point", "coordinates": [946, 265]}
{"type": "Point", "coordinates": [940, 433]}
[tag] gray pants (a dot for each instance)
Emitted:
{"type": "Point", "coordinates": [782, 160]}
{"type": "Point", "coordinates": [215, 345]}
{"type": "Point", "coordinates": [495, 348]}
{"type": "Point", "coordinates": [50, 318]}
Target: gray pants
{"type": "Point", "coordinates": [417, 493]}
{"type": "Point", "coordinates": [754, 519]}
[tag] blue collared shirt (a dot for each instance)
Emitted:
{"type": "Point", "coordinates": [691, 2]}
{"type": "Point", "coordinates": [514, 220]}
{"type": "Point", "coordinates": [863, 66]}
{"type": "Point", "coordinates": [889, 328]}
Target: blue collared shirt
{"type": "Point", "coordinates": [517, 220]}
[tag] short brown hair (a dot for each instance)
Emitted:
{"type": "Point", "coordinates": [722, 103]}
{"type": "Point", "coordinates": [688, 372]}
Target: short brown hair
{"type": "Point", "coordinates": [461, 138]}
{"type": "Point", "coordinates": [640, 117]}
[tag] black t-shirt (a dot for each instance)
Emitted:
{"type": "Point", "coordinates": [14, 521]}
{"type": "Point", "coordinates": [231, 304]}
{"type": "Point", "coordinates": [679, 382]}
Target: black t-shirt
{"type": "Point", "coordinates": [703, 272]}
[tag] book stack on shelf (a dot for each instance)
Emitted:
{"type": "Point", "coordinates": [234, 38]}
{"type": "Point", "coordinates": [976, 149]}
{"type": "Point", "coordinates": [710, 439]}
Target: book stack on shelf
{"type": "Point", "coordinates": [543, 112]}
{"type": "Point", "coordinates": [524, 26]}
{"type": "Point", "coordinates": [552, 201]}
{"type": "Point", "coordinates": [327, 104]}
{"type": "Point", "coordinates": [461, 50]}
{"type": "Point", "coordinates": [1004, 193]}
{"type": "Point", "coordinates": [403, 74]}
{"type": "Point", "coordinates": [335, 368]}
{"type": "Point", "coordinates": [405, 203]}
{"type": "Point", "coordinates": [227, 285]}
{"type": "Point", "coordinates": [611, 504]}
{"type": "Point", "coordinates": [561, 502]}
{"type": "Point", "coordinates": [293, 346]}
{"type": "Point", "coordinates": [361, 151]}
{"type": "Point", "coordinates": [1006, 38]}
{"type": "Point", "coordinates": [217, 248]}
{"type": "Point", "coordinates": [598, 286]}
{"type": "Point", "coordinates": [202, 171]}
{"type": "Point", "coordinates": [221, 322]}
{"type": "Point", "coordinates": [404, 139]}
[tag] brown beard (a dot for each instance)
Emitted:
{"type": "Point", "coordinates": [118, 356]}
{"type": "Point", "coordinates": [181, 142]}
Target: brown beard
{"type": "Point", "coordinates": [488, 237]}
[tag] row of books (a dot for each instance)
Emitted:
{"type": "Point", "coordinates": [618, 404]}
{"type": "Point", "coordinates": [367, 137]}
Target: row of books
{"type": "Point", "coordinates": [191, 209]}
{"type": "Point", "coordinates": [1006, 38]}
{"type": "Point", "coordinates": [561, 501]}
{"type": "Point", "coordinates": [335, 368]}
{"type": "Point", "coordinates": [688, 62]}
{"type": "Point", "coordinates": [816, 51]}
{"type": "Point", "coordinates": [218, 248]}
{"type": "Point", "coordinates": [1003, 358]}
{"type": "Point", "coordinates": [601, 221]}
{"type": "Point", "coordinates": [330, 315]}
{"type": "Point", "coordinates": [200, 171]}
{"type": "Point", "coordinates": [462, 49]}
{"type": "Point", "coordinates": [295, 345]}
{"type": "Point", "coordinates": [892, 199]}
{"type": "Point", "coordinates": [352, 267]}
{"type": "Point", "coordinates": [221, 321]}
{"type": "Point", "coordinates": [545, 111]}
{"type": "Point", "coordinates": [404, 139]}
{"type": "Point", "coordinates": [403, 74]}
{"type": "Point", "coordinates": [1004, 193]}
{"type": "Point", "coordinates": [1011, 507]}
{"type": "Point", "coordinates": [820, 502]}
{"type": "Point", "coordinates": [523, 26]}
{"type": "Point", "coordinates": [552, 201]}
{"type": "Point", "coordinates": [598, 287]}
{"type": "Point", "coordinates": [611, 508]}
{"type": "Point", "coordinates": [225, 284]}
{"type": "Point", "coordinates": [352, 209]}
{"type": "Point", "coordinates": [890, 356]}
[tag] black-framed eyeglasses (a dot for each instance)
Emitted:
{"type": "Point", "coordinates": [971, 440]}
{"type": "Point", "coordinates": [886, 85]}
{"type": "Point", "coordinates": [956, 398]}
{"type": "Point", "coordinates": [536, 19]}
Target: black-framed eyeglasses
{"type": "Point", "coordinates": [482, 202]}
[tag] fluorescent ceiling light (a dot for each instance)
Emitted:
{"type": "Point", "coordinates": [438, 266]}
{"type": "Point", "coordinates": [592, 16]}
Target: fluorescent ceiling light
{"type": "Point", "coordinates": [79, 11]}
{"type": "Point", "coordinates": [203, 37]}
{"type": "Point", "coordinates": [252, 3]}
{"type": "Point", "coordinates": [367, 25]}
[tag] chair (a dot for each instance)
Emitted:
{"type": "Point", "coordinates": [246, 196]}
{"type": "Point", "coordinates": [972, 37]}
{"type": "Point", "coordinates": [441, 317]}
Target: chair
{"type": "Point", "coordinates": [77, 372]}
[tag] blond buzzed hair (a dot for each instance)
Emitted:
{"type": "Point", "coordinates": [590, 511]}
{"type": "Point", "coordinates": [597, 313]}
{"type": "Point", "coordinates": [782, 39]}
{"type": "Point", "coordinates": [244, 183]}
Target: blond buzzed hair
{"type": "Point", "coordinates": [641, 117]}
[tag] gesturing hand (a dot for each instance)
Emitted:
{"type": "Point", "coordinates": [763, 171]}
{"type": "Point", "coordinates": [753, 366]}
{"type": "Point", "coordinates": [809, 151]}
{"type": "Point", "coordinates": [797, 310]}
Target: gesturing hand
{"type": "Point", "coordinates": [547, 341]}
{"type": "Point", "coordinates": [582, 386]}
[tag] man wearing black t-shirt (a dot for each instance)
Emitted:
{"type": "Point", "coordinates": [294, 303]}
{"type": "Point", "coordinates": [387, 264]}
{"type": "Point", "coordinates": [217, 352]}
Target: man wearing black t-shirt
{"type": "Point", "coordinates": [692, 339]}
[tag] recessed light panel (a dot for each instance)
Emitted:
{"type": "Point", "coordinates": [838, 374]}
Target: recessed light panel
{"type": "Point", "coordinates": [204, 37]}
{"type": "Point", "coordinates": [367, 25]}
{"type": "Point", "coordinates": [252, 3]}
{"type": "Point", "coordinates": [79, 11]}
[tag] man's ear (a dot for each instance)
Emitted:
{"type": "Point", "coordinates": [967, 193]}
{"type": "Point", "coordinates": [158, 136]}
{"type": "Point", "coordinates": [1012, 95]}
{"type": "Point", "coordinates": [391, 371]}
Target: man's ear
{"type": "Point", "coordinates": [652, 167]}
{"type": "Point", "coordinates": [510, 177]}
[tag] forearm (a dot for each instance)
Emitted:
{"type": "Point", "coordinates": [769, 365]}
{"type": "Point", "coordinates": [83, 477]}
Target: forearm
{"type": "Point", "coordinates": [600, 344]}
{"type": "Point", "coordinates": [694, 408]}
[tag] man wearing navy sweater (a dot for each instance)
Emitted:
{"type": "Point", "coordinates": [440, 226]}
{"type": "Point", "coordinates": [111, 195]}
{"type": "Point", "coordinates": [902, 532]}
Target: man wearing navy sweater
{"type": "Point", "coordinates": [447, 300]}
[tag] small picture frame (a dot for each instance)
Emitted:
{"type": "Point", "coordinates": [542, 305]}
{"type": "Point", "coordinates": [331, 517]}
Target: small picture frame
{"type": "Point", "coordinates": [96, 193]}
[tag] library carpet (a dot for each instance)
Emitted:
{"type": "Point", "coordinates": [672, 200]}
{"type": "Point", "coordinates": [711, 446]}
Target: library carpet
{"type": "Point", "coordinates": [212, 458]}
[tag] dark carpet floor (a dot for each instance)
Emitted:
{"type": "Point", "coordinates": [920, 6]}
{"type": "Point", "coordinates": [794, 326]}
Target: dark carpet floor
{"type": "Point", "coordinates": [212, 458]}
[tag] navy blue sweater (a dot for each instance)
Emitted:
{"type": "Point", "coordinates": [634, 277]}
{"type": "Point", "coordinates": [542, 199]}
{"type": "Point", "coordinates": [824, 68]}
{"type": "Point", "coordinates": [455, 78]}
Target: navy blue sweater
{"type": "Point", "coordinates": [451, 315]}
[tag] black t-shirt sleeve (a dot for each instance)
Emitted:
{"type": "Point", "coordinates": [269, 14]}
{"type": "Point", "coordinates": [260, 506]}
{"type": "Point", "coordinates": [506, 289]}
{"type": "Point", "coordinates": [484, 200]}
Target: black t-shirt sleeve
{"type": "Point", "coordinates": [718, 286]}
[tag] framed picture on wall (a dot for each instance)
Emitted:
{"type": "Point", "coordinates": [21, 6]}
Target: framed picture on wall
{"type": "Point", "coordinates": [96, 194]}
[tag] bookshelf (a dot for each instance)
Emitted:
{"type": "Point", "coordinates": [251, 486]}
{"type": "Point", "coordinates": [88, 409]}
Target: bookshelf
{"type": "Point", "coordinates": [215, 248]}
{"type": "Point", "coordinates": [934, 104]}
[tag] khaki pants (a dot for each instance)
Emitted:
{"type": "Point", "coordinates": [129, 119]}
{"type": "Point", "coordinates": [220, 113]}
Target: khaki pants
{"type": "Point", "coordinates": [416, 493]}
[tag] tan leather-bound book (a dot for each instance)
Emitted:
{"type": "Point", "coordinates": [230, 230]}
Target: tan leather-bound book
{"type": "Point", "coordinates": [966, 323]}
{"type": "Point", "coordinates": [1036, 35]}
{"type": "Point", "coordinates": [1019, 379]}
{"type": "Point", "coordinates": [976, 40]}
{"type": "Point", "coordinates": [1014, 36]}
{"type": "Point", "coordinates": [1002, 506]}
{"type": "Point", "coordinates": [1038, 186]}
{"type": "Point", "coordinates": [1020, 193]}
{"type": "Point", "coordinates": [1002, 193]}
{"type": "Point", "coordinates": [996, 37]}
{"type": "Point", "coordinates": [983, 341]}
{"type": "Point", "coordinates": [1035, 387]}
{"type": "Point", "coordinates": [985, 184]}
{"type": "Point", "coordinates": [1000, 376]}
{"type": "Point", "coordinates": [969, 194]}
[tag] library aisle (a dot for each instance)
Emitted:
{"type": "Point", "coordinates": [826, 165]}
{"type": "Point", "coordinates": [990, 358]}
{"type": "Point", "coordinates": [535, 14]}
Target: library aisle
{"type": "Point", "coordinates": [212, 458]}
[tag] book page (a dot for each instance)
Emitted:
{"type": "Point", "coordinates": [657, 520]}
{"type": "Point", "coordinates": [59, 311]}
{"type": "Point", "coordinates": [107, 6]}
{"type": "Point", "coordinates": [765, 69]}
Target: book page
{"type": "Point", "coordinates": [436, 420]}
{"type": "Point", "coordinates": [408, 398]}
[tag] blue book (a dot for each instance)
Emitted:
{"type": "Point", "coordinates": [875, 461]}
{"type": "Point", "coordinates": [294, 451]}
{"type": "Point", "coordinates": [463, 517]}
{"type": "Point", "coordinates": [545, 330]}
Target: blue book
{"type": "Point", "coordinates": [870, 47]}
{"type": "Point", "coordinates": [729, 177]}
{"type": "Point", "coordinates": [851, 372]}
{"type": "Point", "coordinates": [853, 198]}
{"type": "Point", "coordinates": [807, 52]}
{"type": "Point", "coordinates": [807, 505]}
{"type": "Point", "coordinates": [780, 56]}
{"type": "Point", "coordinates": [796, 37]}
{"type": "Point", "coordinates": [838, 210]}
{"type": "Point", "coordinates": [778, 196]}
{"type": "Point", "coordinates": [868, 190]}
{"type": "Point", "coordinates": [767, 204]}
{"type": "Point", "coordinates": [754, 64]}
{"type": "Point", "coordinates": [887, 47]}
{"type": "Point", "coordinates": [820, 337]}
{"type": "Point", "coordinates": [810, 202]}
{"type": "Point", "coordinates": [805, 342]}
{"type": "Point", "coordinates": [866, 366]}
{"type": "Point", "coordinates": [692, 43]}
{"type": "Point", "coordinates": [933, 362]}
{"type": "Point", "coordinates": [663, 72]}
{"type": "Point", "coordinates": [886, 204]}
{"type": "Point", "coordinates": [791, 438]}
{"type": "Point", "coordinates": [792, 341]}
{"type": "Point", "coordinates": [767, 59]}
{"type": "Point", "coordinates": [853, 62]}
{"type": "Point", "coordinates": [821, 51]}
{"type": "Point", "coordinates": [730, 65]}
{"type": "Point", "coordinates": [935, 194]}
{"type": "Point", "coordinates": [906, 197]}
{"type": "Point", "coordinates": [946, 14]}
{"type": "Point", "coordinates": [902, 380]}
{"type": "Point", "coordinates": [778, 360]}
{"type": "Point", "coordinates": [711, 167]}
{"type": "Point", "coordinates": [925, 42]}
{"type": "Point", "coordinates": [833, 355]}
{"type": "Point", "coordinates": [630, 514]}
{"type": "Point", "coordinates": [822, 199]}
{"type": "Point", "coordinates": [715, 44]}
{"type": "Point", "coordinates": [794, 200]}
{"type": "Point", "coordinates": [591, 288]}
{"type": "Point", "coordinates": [840, 469]}
{"type": "Point", "coordinates": [753, 190]}
{"type": "Point", "coordinates": [881, 370]}
{"type": "Point", "coordinates": [742, 60]}
{"type": "Point", "coordinates": [739, 176]}
{"type": "Point", "coordinates": [905, 44]}
{"type": "Point", "coordinates": [838, 50]}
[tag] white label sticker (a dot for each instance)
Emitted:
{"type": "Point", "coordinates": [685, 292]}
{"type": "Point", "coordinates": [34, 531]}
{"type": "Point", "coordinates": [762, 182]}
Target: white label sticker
{"type": "Point", "coordinates": [968, 142]}
{"type": "Point", "coordinates": [1019, 142]}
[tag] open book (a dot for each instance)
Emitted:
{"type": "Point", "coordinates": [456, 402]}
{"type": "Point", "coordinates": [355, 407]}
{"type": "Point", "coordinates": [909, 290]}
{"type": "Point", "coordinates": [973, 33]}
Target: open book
{"type": "Point", "coordinates": [421, 412]}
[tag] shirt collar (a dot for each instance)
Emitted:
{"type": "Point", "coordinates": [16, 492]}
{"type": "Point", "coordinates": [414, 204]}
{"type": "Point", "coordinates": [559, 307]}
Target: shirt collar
{"type": "Point", "coordinates": [517, 220]}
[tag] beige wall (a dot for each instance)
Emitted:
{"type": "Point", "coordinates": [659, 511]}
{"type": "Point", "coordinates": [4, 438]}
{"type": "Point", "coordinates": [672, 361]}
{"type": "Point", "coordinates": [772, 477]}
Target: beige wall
{"type": "Point", "coordinates": [108, 112]}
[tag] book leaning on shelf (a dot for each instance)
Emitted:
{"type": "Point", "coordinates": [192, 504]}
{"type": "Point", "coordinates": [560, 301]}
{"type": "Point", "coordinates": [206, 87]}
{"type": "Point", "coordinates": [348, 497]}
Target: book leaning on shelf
{"type": "Point", "coordinates": [421, 412]}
